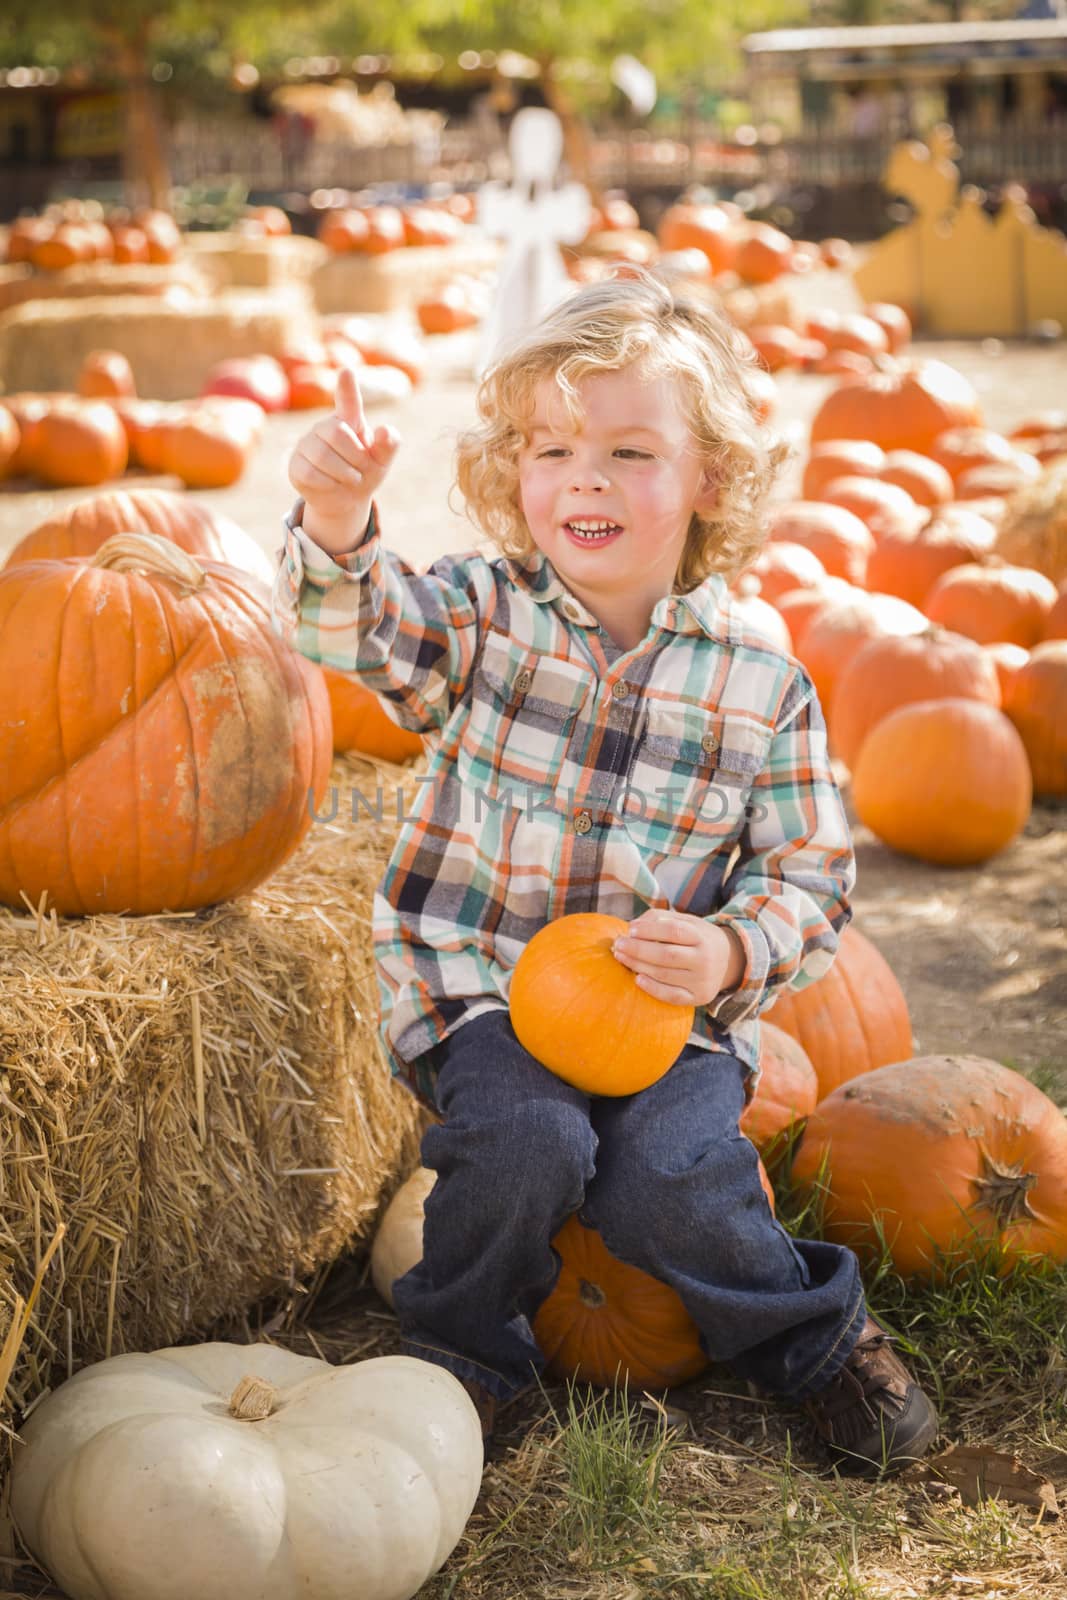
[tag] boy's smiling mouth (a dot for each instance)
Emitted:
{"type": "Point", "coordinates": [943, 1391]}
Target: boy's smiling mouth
{"type": "Point", "coordinates": [592, 530]}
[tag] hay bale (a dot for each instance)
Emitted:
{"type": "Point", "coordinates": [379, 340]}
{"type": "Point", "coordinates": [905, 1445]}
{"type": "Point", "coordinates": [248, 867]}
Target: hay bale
{"type": "Point", "coordinates": [171, 348]}
{"type": "Point", "coordinates": [19, 282]}
{"type": "Point", "coordinates": [234, 261]}
{"type": "Point", "coordinates": [200, 1101]}
{"type": "Point", "coordinates": [398, 279]}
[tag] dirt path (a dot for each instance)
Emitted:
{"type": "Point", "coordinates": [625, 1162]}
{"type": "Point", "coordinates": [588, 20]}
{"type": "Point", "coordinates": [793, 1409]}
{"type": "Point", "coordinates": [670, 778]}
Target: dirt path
{"type": "Point", "coordinates": [982, 954]}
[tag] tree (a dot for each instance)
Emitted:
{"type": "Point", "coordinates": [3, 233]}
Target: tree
{"type": "Point", "coordinates": [124, 39]}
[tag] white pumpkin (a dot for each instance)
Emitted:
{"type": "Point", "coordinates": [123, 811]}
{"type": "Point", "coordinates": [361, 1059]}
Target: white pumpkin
{"type": "Point", "coordinates": [398, 1242]}
{"type": "Point", "coordinates": [244, 1472]}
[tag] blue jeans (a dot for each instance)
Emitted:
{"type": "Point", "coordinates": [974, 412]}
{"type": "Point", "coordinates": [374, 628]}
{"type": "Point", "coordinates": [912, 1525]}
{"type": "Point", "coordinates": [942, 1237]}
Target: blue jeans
{"type": "Point", "coordinates": [664, 1175]}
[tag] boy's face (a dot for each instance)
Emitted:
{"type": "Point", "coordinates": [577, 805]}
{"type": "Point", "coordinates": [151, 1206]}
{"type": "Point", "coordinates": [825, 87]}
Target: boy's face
{"type": "Point", "coordinates": [632, 473]}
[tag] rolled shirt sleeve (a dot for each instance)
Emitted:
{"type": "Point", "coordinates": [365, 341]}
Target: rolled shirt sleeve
{"type": "Point", "coordinates": [787, 895]}
{"type": "Point", "coordinates": [410, 637]}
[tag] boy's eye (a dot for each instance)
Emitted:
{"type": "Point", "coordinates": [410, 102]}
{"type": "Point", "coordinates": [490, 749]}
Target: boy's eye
{"type": "Point", "coordinates": [552, 450]}
{"type": "Point", "coordinates": [630, 454]}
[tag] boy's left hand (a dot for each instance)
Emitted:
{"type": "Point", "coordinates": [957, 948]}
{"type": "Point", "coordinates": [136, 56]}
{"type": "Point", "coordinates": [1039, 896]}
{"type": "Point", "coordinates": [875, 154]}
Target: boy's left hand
{"type": "Point", "coordinates": [681, 958]}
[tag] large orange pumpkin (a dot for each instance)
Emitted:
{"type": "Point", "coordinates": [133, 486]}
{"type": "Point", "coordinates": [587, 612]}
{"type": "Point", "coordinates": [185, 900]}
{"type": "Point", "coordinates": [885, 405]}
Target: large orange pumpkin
{"type": "Point", "coordinates": [801, 607]}
{"type": "Point", "coordinates": [579, 1011]}
{"type": "Point", "coordinates": [361, 723]}
{"type": "Point", "coordinates": [1036, 702]}
{"type": "Point", "coordinates": [786, 1091]}
{"type": "Point", "coordinates": [80, 529]}
{"type": "Point", "coordinates": [764, 253]}
{"type": "Point", "coordinates": [992, 604]}
{"type": "Point", "coordinates": [950, 1154]}
{"type": "Point", "coordinates": [946, 781]}
{"type": "Point", "coordinates": [894, 671]}
{"type": "Point", "coordinates": [903, 410]}
{"type": "Point", "coordinates": [160, 743]}
{"type": "Point", "coordinates": [852, 1019]}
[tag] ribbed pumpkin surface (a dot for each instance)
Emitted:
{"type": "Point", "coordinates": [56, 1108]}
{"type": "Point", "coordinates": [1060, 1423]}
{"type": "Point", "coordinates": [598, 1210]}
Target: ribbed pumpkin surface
{"type": "Point", "coordinates": [159, 741]}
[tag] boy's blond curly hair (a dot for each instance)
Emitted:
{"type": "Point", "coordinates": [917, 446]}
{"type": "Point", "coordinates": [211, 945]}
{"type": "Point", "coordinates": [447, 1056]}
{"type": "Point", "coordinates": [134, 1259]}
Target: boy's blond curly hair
{"type": "Point", "coordinates": [636, 321]}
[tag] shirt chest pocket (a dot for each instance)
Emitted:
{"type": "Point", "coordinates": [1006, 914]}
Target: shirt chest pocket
{"type": "Point", "coordinates": [692, 777]}
{"type": "Point", "coordinates": [523, 716]}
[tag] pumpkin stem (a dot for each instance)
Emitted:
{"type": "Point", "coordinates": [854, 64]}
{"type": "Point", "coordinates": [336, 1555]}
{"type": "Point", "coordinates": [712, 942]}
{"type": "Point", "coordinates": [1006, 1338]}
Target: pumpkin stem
{"type": "Point", "coordinates": [150, 552]}
{"type": "Point", "coordinates": [1003, 1190]}
{"type": "Point", "coordinates": [253, 1398]}
{"type": "Point", "coordinates": [591, 1295]}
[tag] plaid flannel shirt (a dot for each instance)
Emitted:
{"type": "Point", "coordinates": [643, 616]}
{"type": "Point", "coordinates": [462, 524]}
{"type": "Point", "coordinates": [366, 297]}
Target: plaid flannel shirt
{"type": "Point", "coordinates": [690, 772]}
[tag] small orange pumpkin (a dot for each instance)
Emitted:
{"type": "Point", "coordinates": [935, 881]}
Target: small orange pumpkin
{"type": "Point", "coordinates": [106, 374]}
{"type": "Point", "coordinates": [80, 443]}
{"type": "Point", "coordinates": [580, 1012]}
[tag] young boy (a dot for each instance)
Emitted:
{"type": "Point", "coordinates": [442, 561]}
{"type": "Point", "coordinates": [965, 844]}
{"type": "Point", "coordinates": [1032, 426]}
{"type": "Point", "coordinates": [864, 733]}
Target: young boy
{"type": "Point", "coordinates": [612, 737]}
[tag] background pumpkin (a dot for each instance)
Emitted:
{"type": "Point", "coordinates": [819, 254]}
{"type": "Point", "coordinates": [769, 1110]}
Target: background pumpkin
{"type": "Point", "coordinates": [786, 1091]}
{"type": "Point", "coordinates": [890, 672]}
{"type": "Point", "coordinates": [360, 721]}
{"type": "Point", "coordinates": [992, 604]}
{"type": "Point", "coordinates": [904, 410]}
{"type": "Point", "coordinates": [852, 1019]}
{"type": "Point", "coordinates": [948, 1153]}
{"type": "Point", "coordinates": [1036, 702]}
{"type": "Point", "coordinates": [946, 781]}
{"type": "Point", "coordinates": [839, 538]}
{"type": "Point", "coordinates": [163, 759]}
{"type": "Point", "coordinates": [578, 1010]}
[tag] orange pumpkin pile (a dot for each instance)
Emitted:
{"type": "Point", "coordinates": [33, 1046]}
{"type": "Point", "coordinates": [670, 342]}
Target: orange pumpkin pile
{"type": "Point", "coordinates": [920, 626]}
{"type": "Point", "coordinates": [77, 232]}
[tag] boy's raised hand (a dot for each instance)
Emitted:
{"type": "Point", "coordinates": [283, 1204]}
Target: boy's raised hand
{"type": "Point", "coordinates": [338, 468]}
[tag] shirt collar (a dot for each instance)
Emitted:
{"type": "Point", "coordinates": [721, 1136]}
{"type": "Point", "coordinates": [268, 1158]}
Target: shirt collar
{"type": "Point", "coordinates": [703, 609]}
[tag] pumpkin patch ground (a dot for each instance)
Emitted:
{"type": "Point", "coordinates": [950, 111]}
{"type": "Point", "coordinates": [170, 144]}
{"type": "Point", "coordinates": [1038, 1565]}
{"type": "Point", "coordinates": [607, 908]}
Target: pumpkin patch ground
{"type": "Point", "coordinates": [586, 1496]}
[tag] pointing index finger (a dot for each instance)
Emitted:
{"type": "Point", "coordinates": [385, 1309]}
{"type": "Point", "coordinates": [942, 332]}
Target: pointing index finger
{"type": "Point", "coordinates": [348, 404]}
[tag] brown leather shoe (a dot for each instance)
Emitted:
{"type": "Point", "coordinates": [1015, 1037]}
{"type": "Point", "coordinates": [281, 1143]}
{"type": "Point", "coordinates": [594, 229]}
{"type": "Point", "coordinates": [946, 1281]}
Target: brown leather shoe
{"type": "Point", "coordinates": [873, 1416]}
{"type": "Point", "coordinates": [484, 1404]}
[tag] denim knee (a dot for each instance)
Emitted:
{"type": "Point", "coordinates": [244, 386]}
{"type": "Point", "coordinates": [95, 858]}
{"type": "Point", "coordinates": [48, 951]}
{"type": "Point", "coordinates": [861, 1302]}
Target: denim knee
{"type": "Point", "coordinates": [537, 1157]}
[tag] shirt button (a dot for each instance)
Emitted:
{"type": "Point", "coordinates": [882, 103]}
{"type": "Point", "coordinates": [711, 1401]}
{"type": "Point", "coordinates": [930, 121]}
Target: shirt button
{"type": "Point", "coordinates": [620, 689]}
{"type": "Point", "coordinates": [582, 822]}
{"type": "Point", "coordinates": [709, 743]}
{"type": "Point", "coordinates": [570, 609]}
{"type": "Point", "coordinates": [523, 681]}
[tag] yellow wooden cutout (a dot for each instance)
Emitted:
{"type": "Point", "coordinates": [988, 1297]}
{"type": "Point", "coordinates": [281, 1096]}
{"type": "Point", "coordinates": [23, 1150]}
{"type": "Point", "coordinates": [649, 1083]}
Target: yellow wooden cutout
{"type": "Point", "coordinates": [954, 269]}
